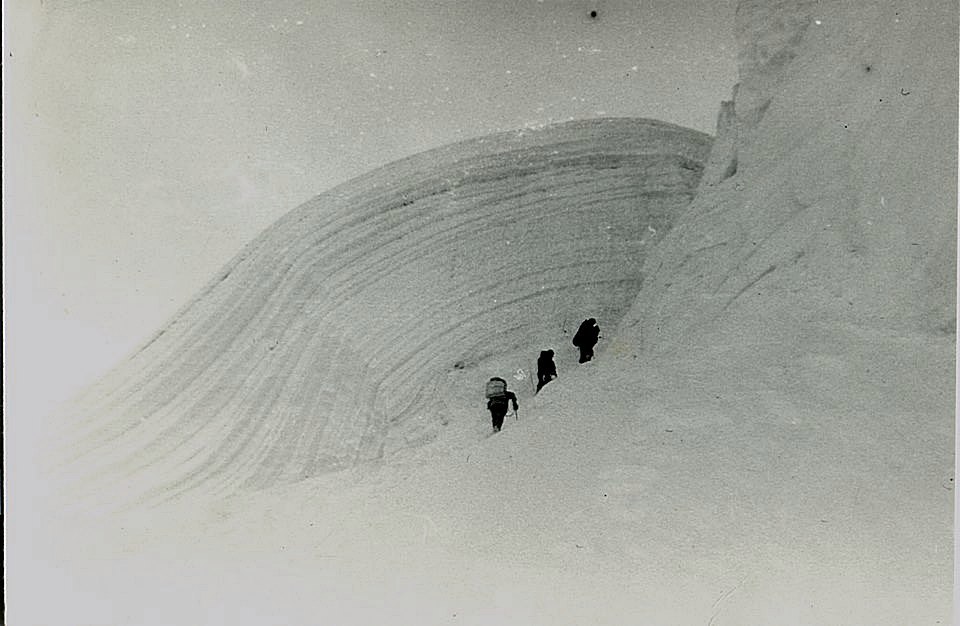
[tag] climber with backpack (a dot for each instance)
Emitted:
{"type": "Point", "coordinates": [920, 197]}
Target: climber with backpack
{"type": "Point", "coordinates": [546, 369]}
{"type": "Point", "coordinates": [498, 399]}
{"type": "Point", "coordinates": [586, 338]}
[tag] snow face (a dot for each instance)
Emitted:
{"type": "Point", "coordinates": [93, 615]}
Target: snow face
{"type": "Point", "coordinates": [333, 338]}
{"type": "Point", "coordinates": [802, 313]}
{"type": "Point", "coordinates": [831, 196]}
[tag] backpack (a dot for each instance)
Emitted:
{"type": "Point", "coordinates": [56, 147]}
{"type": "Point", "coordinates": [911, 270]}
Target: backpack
{"type": "Point", "coordinates": [496, 388]}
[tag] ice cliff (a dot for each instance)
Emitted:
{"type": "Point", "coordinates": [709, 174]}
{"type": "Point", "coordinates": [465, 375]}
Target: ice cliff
{"type": "Point", "coordinates": [328, 340]}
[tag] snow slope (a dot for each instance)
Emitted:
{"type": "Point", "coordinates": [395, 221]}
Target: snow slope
{"type": "Point", "coordinates": [330, 339]}
{"type": "Point", "coordinates": [803, 311]}
{"type": "Point", "coordinates": [766, 439]}
{"type": "Point", "coordinates": [832, 199]}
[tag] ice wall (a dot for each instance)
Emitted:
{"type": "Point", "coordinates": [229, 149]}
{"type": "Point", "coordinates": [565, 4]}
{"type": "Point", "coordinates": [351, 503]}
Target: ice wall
{"type": "Point", "coordinates": [327, 340]}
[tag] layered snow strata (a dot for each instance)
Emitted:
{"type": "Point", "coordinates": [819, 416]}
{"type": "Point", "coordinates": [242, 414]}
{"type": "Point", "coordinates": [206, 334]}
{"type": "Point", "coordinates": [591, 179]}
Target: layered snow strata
{"type": "Point", "coordinates": [325, 341]}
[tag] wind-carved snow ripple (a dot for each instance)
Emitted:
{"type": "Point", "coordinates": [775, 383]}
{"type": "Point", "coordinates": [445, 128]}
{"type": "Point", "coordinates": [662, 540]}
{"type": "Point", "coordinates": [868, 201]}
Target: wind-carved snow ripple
{"type": "Point", "coordinates": [321, 344]}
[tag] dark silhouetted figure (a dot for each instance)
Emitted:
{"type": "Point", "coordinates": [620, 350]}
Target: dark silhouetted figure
{"type": "Point", "coordinates": [586, 338]}
{"type": "Point", "coordinates": [498, 399]}
{"type": "Point", "coordinates": [546, 368]}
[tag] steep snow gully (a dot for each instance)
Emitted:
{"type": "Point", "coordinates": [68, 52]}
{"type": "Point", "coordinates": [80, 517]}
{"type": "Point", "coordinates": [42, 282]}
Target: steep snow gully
{"type": "Point", "coordinates": [328, 339]}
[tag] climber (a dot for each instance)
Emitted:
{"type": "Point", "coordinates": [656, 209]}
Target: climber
{"type": "Point", "coordinates": [498, 399]}
{"type": "Point", "coordinates": [586, 338]}
{"type": "Point", "coordinates": [546, 368]}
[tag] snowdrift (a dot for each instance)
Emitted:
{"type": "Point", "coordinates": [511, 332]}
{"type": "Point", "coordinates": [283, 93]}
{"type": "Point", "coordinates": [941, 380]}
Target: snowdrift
{"type": "Point", "coordinates": [328, 340]}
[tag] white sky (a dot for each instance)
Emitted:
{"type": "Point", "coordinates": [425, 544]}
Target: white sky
{"type": "Point", "coordinates": [145, 143]}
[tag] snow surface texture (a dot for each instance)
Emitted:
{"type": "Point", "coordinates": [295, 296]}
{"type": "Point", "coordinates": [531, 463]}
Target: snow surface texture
{"type": "Point", "coordinates": [331, 338]}
{"type": "Point", "coordinates": [766, 439]}
{"type": "Point", "coordinates": [805, 302]}
{"type": "Point", "coordinates": [842, 139]}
